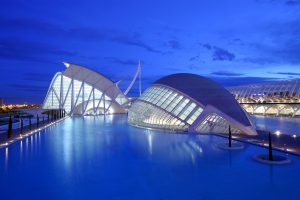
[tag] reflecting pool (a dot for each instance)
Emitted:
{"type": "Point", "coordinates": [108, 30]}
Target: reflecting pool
{"type": "Point", "coordinates": [104, 158]}
{"type": "Point", "coordinates": [286, 125]}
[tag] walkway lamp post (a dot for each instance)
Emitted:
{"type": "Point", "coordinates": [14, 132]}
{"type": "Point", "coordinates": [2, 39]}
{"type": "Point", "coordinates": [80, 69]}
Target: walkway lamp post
{"type": "Point", "coordinates": [21, 126]}
{"type": "Point", "coordinates": [270, 147]}
{"type": "Point", "coordinates": [30, 123]}
{"type": "Point", "coordinates": [37, 120]}
{"type": "Point", "coordinates": [9, 131]}
{"type": "Point", "coordinates": [229, 136]}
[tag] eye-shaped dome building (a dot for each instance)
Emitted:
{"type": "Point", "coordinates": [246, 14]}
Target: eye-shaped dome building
{"type": "Point", "coordinates": [189, 102]}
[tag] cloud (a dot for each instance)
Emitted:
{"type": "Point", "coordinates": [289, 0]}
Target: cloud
{"type": "Point", "coordinates": [133, 41]}
{"type": "Point", "coordinates": [28, 87]}
{"type": "Point", "coordinates": [218, 53]}
{"type": "Point", "coordinates": [77, 33]}
{"type": "Point", "coordinates": [257, 60]}
{"type": "Point", "coordinates": [207, 46]}
{"type": "Point", "coordinates": [35, 76]}
{"type": "Point", "coordinates": [226, 73]}
{"type": "Point", "coordinates": [30, 24]}
{"type": "Point", "coordinates": [194, 58]}
{"type": "Point", "coordinates": [121, 61]}
{"type": "Point", "coordinates": [293, 2]}
{"type": "Point", "coordinates": [18, 49]}
{"type": "Point", "coordinates": [278, 43]}
{"type": "Point", "coordinates": [288, 73]}
{"type": "Point", "coordinates": [222, 54]}
{"type": "Point", "coordinates": [236, 81]}
{"type": "Point", "coordinates": [285, 2]}
{"type": "Point", "coordinates": [174, 44]}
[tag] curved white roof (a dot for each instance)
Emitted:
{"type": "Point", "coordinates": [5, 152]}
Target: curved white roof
{"type": "Point", "coordinates": [206, 92]}
{"type": "Point", "coordinates": [93, 78]}
{"type": "Point", "coordinates": [80, 90]}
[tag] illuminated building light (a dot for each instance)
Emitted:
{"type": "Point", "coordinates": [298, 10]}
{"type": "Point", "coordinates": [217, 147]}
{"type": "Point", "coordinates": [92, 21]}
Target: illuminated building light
{"type": "Point", "coordinates": [278, 133]}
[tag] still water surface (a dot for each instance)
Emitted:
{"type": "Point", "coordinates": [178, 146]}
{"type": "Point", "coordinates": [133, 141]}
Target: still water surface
{"type": "Point", "coordinates": [104, 158]}
{"type": "Point", "coordinates": [286, 125]}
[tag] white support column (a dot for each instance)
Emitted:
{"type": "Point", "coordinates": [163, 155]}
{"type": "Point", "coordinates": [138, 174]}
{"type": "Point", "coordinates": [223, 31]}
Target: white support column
{"type": "Point", "coordinates": [72, 94]}
{"type": "Point", "coordinates": [108, 107]}
{"type": "Point", "coordinates": [93, 100]}
{"type": "Point", "coordinates": [61, 92]}
{"type": "Point", "coordinates": [104, 108]}
{"type": "Point", "coordinates": [82, 104]}
{"type": "Point", "coordinates": [99, 103]}
{"type": "Point", "coordinates": [140, 79]}
{"type": "Point", "coordinates": [67, 94]}
{"type": "Point", "coordinates": [87, 102]}
{"type": "Point", "coordinates": [81, 87]}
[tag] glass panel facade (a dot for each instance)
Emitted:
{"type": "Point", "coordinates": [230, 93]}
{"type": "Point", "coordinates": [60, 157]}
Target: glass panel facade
{"type": "Point", "coordinates": [148, 115]}
{"type": "Point", "coordinates": [174, 110]}
{"type": "Point", "coordinates": [73, 93]}
{"type": "Point", "coordinates": [214, 123]}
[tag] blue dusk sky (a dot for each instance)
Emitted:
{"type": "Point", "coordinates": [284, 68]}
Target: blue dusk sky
{"type": "Point", "coordinates": [231, 41]}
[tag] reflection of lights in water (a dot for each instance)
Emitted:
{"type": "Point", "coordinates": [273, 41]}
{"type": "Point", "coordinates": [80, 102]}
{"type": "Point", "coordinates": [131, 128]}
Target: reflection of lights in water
{"type": "Point", "coordinates": [190, 151]}
{"type": "Point", "coordinates": [6, 154]}
{"type": "Point", "coordinates": [31, 142]}
{"type": "Point", "coordinates": [149, 139]}
{"type": "Point", "coordinates": [196, 147]}
{"type": "Point", "coordinates": [21, 148]}
{"type": "Point", "coordinates": [26, 144]}
{"type": "Point", "coordinates": [39, 138]}
{"type": "Point", "coordinates": [6, 157]}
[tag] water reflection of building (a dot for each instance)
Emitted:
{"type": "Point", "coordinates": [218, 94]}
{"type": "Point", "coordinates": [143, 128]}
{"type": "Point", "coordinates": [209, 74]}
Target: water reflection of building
{"type": "Point", "coordinates": [270, 98]}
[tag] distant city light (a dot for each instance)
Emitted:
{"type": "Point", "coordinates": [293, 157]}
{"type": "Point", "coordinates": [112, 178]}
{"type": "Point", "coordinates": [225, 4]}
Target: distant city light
{"type": "Point", "coordinates": [10, 107]}
{"type": "Point", "coordinates": [278, 133]}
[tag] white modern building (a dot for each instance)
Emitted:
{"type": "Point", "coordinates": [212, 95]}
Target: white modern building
{"type": "Point", "coordinates": [81, 91]}
{"type": "Point", "coordinates": [285, 91]}
{"type": "Point", "coordinates": [279, 98]}
{"type": "Point", "coordinates": [189, 102]}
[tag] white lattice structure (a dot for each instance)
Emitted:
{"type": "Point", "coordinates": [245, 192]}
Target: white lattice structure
{"type": "Point", "coordinates": [81, 91]}
{"type": "Point", "coordinates": [287, 91]}
{"type": "Point", "coordinates": [188, 102]}
{"type": "Point", "coordinates": [280, 98]}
